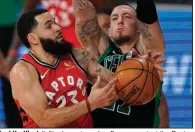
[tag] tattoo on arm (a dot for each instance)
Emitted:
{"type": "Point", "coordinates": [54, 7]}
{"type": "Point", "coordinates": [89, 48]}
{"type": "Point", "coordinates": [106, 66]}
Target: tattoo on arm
{"type": "Point", "coordinates": [84, 57]}
{"type": "Point", "coordinates": [89, 29]}
{"type": "Point", "coordinates": [80, 4]}
{"type": "Point", "coordinates": [144, 30]}
{"type": "Point", "coordinates": [144, 39]}
{"type": "Point", "coordinates": [89, 34]}
{"type": "Point", "coordinates": [90, 63]}
{"type": "Point", "coordinates": [81, 56]}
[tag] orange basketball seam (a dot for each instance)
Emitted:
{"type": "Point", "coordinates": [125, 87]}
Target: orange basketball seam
{"type": "Point", "coordinates": [139, 69]}
{"type": "Point", "coordinates": [144, 84]}
{"type": "Point", "coordinates": [147, 68]}
{"type": "Point", "coordinates": [132, 80]}
{"type": "Point", "coordinates": [131, 68]}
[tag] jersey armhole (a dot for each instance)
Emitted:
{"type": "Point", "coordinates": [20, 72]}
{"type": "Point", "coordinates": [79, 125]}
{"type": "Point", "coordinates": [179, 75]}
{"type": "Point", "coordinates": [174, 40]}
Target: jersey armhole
{"type": "Point", "coordinates": [75, 60]}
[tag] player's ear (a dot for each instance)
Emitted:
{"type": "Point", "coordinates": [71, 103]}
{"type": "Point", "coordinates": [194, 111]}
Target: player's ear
{"type": "Point", "coordinates": [33, 38]}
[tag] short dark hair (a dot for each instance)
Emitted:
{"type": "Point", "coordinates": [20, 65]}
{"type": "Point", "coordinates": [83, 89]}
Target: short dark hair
{"type": "Point", "coordinates": [26, 23]}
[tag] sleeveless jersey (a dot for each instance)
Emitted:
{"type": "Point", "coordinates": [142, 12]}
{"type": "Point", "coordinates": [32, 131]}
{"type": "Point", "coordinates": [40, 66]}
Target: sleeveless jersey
{"type": "Point", "coordinates": [64, 85]}
{"type": "Point", "coordinates": [62, 10]}
{"type": "Point", "coordinates": [119, 114]}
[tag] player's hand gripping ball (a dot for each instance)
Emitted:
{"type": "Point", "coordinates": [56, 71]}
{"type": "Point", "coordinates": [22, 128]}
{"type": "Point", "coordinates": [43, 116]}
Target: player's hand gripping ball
{"type": "Point", "coordinates": [138, 81]}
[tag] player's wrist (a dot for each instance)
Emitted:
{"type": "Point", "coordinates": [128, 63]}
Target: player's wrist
{"type": "Point", "coordinates": [91, 104]}
{"type": "Point", "coordinates": [146, 11]}
{"type": "Point", "coordinates": [88, 105]}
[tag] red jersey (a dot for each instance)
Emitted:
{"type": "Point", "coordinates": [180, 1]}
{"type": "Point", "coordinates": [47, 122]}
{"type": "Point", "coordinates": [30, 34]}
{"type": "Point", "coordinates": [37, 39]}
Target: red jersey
{"type": "Point", "coordinates": [62, 10]}
{"type": "Point", "coordinates": [64, 84]}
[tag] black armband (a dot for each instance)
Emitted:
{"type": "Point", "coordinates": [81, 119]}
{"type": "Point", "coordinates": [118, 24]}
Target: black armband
{"type": "Point", "coordinates": [146, 11]}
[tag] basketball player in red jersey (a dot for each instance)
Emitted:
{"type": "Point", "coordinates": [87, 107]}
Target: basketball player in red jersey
{"type": "Point", "coordinates": [63, 12]}
{"type": "Point", "coordinates": [48, 83]}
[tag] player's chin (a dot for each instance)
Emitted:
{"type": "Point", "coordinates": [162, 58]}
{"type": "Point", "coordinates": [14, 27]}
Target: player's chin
{"type": "Point", "coordinates": [121, 34]}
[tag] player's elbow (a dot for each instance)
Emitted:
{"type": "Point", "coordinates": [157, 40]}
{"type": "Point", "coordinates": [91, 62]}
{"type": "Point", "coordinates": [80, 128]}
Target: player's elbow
{"type": "Point", "coordinates": [48, 120]}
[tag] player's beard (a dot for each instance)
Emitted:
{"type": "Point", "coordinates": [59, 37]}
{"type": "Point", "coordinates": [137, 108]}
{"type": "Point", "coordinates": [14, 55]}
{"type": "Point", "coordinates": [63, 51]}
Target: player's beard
{"type": "Point", "coordinates": [121, 39]}
{"type": "Point", "coordinates": [56, 48]}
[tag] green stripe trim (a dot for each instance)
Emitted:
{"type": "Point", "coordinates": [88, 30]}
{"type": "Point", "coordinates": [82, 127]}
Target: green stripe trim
{"type": "Point", "coordinates": [157, 102]}
{"type": "Point", "coordinates": [105, 54]}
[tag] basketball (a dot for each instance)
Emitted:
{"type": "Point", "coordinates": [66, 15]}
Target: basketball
{"type": "Point", "coordinates": [138, 81]}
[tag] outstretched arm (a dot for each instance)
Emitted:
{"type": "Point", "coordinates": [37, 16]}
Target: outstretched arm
{"type": "Point", "coordinates": [90, 63]}
{"type": "Point", "coordinates": [87, 28]}
{"type": "Point", "coordinates": [163, 111]}
{"type": "Point", "coordinates": [151, 36]}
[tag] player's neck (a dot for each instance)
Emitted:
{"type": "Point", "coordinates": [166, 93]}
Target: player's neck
{"type": "Point", "coordinates": [126, 47]}
{"type": "Point", "coordinates": [44, 56]}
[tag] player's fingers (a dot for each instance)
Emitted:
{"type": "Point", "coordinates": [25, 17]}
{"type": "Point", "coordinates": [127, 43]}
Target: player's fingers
{"type": "Point", "coordinates": [111, 83]}
{"type": "Point", "coordinates": [113, 94]}
{"type": "Point", "coordinates": [149, 53]}
{"type": "Point", "coordinates": [114, 97]}
{"type": "Point", "coordinates": [157, 55]}
{"type": "Point", "coordinates": [160, 61]}
{"type": "Point", "coordinates": [112, 90]}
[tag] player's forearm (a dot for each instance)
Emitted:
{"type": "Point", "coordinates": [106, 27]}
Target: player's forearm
{"type": "Point", "coordinates": [151, 34]}
{"type": "Point", "coordinates": [89, 61]}
{"type": "Point", "coordinates": [87, 28]}
{"type": "Point", "coordinates": [146, 11]}
{"type": "Point", "coordinates": [163, 110]}
{"type": "Point", "coordinates": [86, 19]}
{"type": "Point", "coordinates": [99, 70]}
{"type": "Point", "coordinates": [58, 117]}
{"type": "Point", "coordinates": [83, 8]}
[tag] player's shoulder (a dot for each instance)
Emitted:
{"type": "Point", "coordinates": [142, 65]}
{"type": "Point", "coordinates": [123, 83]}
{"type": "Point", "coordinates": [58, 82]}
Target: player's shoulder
{"type": "Point", "coordinates": [23, 76]}
{"type": "Point", "coordinates": [22, 68]}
